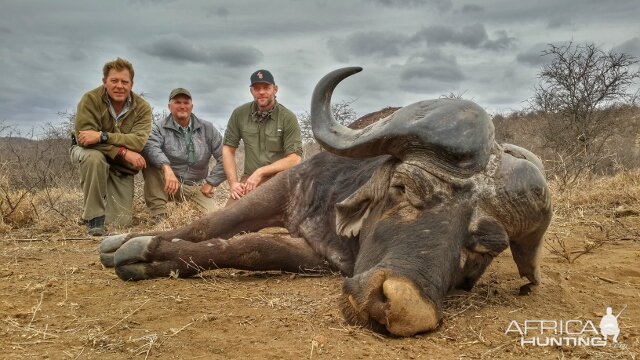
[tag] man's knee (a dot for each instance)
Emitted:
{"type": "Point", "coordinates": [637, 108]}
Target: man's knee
{"type": "Point", "coordinates": [93, 158]}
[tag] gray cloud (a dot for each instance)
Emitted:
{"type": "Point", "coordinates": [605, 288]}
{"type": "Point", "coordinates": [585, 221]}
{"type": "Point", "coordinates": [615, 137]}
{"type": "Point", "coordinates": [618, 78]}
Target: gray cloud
{"type": "Point", "coordinates": [533, 55]}
{"type": "Point", "coordinates": [557, 22]}
{"type": "Point", "coordinates": [411, 50]}
{"type": "Point", "coordinates": [471, 9]}
{"type": "Point", "coordinates": [77, 55]}
{"type": "Point", "coordinates": [428, 72]}
{"type": "Point", "coordinates": [501, 41]}
{"type": "Point", "coordinates": [151, 1]}
{"type": "Point", "coordinates": [176, 48]}
{"type": "Point", "coordinates": [237, 56]}
{"type": "Point", "coordinates": [631, 47]}
{"type": "Point", "coordinates": [219, 11]}
{"type": "Point", "coordinates": [472, 36]}
{"type": "Point", "coordinates": [369, 44]}
{"type": "Point", "coordinates": [442, 5]}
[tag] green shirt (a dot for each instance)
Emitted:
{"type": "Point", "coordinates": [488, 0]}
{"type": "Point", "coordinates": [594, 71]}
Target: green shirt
{"type": "Point", "coordinates": [267, 141]}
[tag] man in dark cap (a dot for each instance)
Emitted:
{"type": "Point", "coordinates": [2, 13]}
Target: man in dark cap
{"type": "Point", "coordinates": [271, 136]}
{"type": "Point", "coordinates": [178, 153]}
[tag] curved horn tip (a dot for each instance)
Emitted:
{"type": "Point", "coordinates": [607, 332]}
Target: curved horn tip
{"type": "Point", "coordinates": [346, 71]}
{"type": "Point", "coordinates": [352, 70]}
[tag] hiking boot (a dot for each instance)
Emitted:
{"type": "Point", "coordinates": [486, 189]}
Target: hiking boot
{"type": "Point", "coordinates": [95, 226]}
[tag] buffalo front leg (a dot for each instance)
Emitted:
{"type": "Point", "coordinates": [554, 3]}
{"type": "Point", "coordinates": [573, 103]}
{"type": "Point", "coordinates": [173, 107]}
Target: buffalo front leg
{"type": "Point", "coordinates": [262, 208]}
{"type": "Point", "coordinates": [149, 257]}
{"type": "Point", "coordinates": [526, 254]}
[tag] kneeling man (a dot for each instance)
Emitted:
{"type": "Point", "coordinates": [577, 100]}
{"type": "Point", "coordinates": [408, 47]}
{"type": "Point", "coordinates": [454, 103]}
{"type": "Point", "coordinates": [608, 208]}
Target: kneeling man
{"type": "Point", "coordinates": [178, 154]}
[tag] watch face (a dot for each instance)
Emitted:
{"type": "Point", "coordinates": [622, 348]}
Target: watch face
{"type": "Point", "coordinates": [104, 137]}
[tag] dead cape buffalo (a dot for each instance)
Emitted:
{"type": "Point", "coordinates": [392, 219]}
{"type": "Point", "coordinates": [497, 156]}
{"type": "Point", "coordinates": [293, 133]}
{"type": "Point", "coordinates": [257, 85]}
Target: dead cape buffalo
{"type": "Point", "coordinates": [406, 208]}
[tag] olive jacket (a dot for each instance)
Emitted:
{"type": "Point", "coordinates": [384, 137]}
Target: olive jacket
{"type": "Point", "coordinates": [131, 132]}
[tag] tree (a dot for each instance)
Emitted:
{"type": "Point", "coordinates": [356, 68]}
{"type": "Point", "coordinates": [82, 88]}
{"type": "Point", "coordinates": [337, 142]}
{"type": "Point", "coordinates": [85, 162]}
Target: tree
{"type": "Point", "coordinates": [342, 112]}
{"type": "Point", "coordinates": [576, 87]}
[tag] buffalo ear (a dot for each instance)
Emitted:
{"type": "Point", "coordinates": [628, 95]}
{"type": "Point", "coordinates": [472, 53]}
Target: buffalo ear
{"type": "Point", "coordinates": [487, 235]}
{"type": "Point", "coordinates": [487, 238]}
{"type": "Point", "coordinates": [352, 212]}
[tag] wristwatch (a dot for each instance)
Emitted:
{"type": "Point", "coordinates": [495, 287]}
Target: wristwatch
{"type": "Point", "coordinates": [104, 137]}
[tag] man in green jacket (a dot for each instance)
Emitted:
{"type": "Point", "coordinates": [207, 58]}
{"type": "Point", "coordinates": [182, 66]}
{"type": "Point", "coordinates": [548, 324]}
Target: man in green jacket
{"type": "Point", "coordinates": [271, 136]}
{"type": "Point", "coordinates": [112, 125]}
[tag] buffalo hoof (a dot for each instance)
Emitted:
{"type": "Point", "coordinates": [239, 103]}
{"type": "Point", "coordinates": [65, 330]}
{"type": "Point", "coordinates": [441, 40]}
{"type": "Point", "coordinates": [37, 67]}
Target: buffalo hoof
{"type": "Point", "coordinates": [147, 257]}
{"type": "Point", "coordinates": [526, 289]}
{"type": "Point", "coordinates": [108, 247]}
{"type": "Point", "coordinates": [132, 258]}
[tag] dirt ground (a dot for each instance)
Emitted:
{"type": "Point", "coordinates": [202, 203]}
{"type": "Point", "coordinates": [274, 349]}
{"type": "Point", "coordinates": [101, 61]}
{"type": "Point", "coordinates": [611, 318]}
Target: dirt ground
{"type": "Point", "coordinates": [57, 301]}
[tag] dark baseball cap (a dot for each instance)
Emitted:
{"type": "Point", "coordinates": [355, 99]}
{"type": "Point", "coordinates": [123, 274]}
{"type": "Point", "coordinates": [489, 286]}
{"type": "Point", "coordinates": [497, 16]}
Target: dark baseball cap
{"type": "Point", "coordinates": [262, 76]}
{"type": "Point", "coordinates": [179, 91]}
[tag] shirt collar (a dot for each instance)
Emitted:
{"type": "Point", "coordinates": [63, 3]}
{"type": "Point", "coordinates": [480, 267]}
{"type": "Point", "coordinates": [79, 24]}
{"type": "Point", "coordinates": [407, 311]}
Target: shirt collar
{"type": "Point", "coordinates": [261, 116]}
{"type": "Point", "coordinates": [178, 126]}
{"type": "Point", "coordinates": [112, 111]}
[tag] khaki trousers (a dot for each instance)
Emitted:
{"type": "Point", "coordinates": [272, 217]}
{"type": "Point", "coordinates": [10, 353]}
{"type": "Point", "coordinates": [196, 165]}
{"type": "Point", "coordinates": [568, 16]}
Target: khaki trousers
{"type": "Point", "coordinates": [156, 199]}
{"type": "Point", "coordinates": [105, 192]}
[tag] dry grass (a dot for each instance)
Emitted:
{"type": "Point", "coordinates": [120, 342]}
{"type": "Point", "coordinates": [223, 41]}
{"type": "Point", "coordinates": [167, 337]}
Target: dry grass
{"type": "Point", "coordinates": [600, 192]}
{"type": "Point", "coordinates": [51, 211]}
{"type": "Point", "coordinates": [602, 209]}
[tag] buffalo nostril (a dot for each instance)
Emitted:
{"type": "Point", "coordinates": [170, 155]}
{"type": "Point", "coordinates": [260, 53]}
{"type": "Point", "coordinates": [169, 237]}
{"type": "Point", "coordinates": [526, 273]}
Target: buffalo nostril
{"type": "Point", "coordinates": [378, 311]}
{"type": "Point", "coordinates": [353, 303]}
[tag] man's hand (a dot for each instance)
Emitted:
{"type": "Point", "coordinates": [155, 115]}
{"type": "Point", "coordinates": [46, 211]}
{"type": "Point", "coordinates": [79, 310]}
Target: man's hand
{"type": "Point", "coordinates": [88, 137]}
{"type": "Point", "coordinates": [171, 183]}
{"type": "Point", "coordinates": [207, 190]}
{"type": "Point", "coordinates": [253, 181]}
{"type": "Point", "coordinates": [264, 173]}
{"type": "Point", "coordinates": [237, 190]}
{"type": "Point", "coordinates": [136, 160]}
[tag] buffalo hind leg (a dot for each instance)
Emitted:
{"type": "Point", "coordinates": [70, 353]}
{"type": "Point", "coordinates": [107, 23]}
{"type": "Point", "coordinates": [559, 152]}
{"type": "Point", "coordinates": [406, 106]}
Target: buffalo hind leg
{"type": "Point", "coordinates": [149, 257]}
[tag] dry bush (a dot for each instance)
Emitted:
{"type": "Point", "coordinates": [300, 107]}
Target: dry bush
{"type": "Point", "coordinates": [39, 186]}
{"type": "Point", "coordinates": [619, 152]}
{"type": "Point", "coordinates": [583, 93]}
{"type": "Point", "coordinates": [37, 179]}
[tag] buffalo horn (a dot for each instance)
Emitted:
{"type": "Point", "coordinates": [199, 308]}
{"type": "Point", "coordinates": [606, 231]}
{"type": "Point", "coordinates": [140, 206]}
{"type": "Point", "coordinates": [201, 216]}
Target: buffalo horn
{"type": "Point", "coordinates": [455, 135]}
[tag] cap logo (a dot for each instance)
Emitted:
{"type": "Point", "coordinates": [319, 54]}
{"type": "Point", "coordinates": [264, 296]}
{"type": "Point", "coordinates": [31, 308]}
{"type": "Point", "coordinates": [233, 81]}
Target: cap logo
{"type": "Point", "coordinates": [260, 76]}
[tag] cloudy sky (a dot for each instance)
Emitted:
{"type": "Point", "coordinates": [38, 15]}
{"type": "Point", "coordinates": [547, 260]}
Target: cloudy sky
{"type": "Point", "coordinates": [51, 52]}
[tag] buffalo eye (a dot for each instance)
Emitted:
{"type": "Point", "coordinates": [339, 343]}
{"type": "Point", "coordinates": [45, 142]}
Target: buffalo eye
{"type": "Point", "coordinates": [397, 191]}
